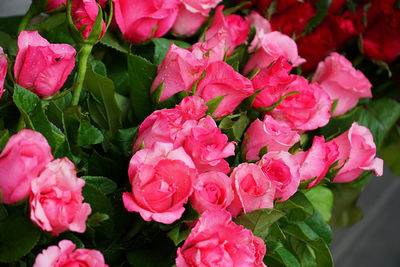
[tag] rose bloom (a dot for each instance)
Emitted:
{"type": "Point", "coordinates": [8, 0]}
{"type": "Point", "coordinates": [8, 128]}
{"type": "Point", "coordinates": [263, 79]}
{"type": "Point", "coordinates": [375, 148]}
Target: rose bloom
{"type": "Point", "coordinates": [65, 254]}
{"type": "Point", "coordinates": [161, 179]}
{"type": "Point", "coordinates": [213, 49]}
{"type": "Point", "coordinates": [84, 13]}
{"type": "Point", "coordinates": [217, 241]}
{"type": "Point", "coordinates": [341, 81]}
{"type": "Point", "coordinates": [56, 199]}
{"type": "Point", "coordinates": [23, 158]}
{"type": "Point", "coordinates": [171, 125]}
{"type": "Point", "coordinates": [208, 147]}
{"type": "Point", "coordinates": [282, 169]}
{"type": "Point", "coordinates": [191, 15]}
{"type": "Point", "coordinates": [140, 20]}
{"type": "Point", "coordinates": [306, 110]}
{"type": "Point", "coordinates": [222, 79]}
{"type": "Point", "coordinates": [212, 191]}
{"type": "Point", "coordinates": [52, 64]}
{"type": "Point", "coordinates": [315, 162]}
{"type": "Point", "coordinates": [253, 190]}
{"type": "Point", "coordinates": [54, 4]}
{"type": "Point", "coordinates": [276, 135]}
{"type": "Point", "coordinates": [262, 27]}
{"type": "Point", "coordinates": [3, 70]}
{"type": "Point", "coordinates": [179, 70]}
{"type": "Point", "coordinates": [357, 146]}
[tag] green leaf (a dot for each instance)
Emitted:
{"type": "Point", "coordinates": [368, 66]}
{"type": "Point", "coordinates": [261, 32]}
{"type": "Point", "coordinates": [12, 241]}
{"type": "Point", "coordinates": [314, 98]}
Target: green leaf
{"type": "Point", "coordinates": [283, 256]}
{"type": "Point", "coordinates": [50, 23]}
{"type": "Point", "coordinates": [179, 234]}
{"type": "Point", "coordinates": [322, 200]}
{"type": "Point", "coordinates": [322, 11]}
{"type": "Point", "coordinates": [4, 136]}
{"type": "Point", "coordinates": [124, 139]}
{"type": "Point", "coordinates": [156, 95]}
{"type": "Point", "coordinates": [162, 45]}
{"type": "Point", "coordinates": [214, 103]}
{"type": "Point", "coordinates": [234, 126]}
{"type": "Point", "coordinates": [104, 184]}
{"type": "Point", "coordinates": [18, 236]}
{"type": "Point", "coordinates": [297, 208]}
{"type": "Point", "coordinates": [141, 76]}
{"type": "Point", "coordinates": [110, 40]}
{"type": "Point", "coordinates": [267, 109]}
{"type": "Point", "coordinates": [321, 228]}
{"type": "Point", "coordinates": [88, 134]}
{"type": "Point", "coordinates": [96, 219]}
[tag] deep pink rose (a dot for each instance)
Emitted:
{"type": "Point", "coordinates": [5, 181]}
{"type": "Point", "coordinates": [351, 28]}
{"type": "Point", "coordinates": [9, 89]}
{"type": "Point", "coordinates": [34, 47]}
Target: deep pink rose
{"type": "Point", "coordinates": [171, 125]}
{"type": "Point", "coordinates": [139, 20]}
{"type": "Point", "coordinates": [161, 181]}
{"type": "Point", "coordinates": [253, 190]}
{"type": "Point", "coordinates": [282, 169]}
{"type": "Point", "coordinates": [212, 191]}
{"type": "Point", "coordinates": [65, 254]}
{"type": "Point", "coordinates": [276, 135]}
{"type": "Point", "coordinates": [179, 70]}
{"type": "Point", "coordinates": [306, 110]}
{"type": "Point", "coordinates": [208, 147]}
{"type": "Point", "coordinates": [272, 46]}
{"type": "Point", "coordinates": [341, 81]}
{"type": "Point", "coordinates": [222, 79]}
{"type": "Point", "coordinates": [23, 158]}
{"type": "Point", "coordinates": [53, 63]}
{"type": "Point", "coordinates": [315, 162]}
{"type": "Point", "coordinates": [191, 15]}
{"type": "Point", "coordinates": [56, 199]}
{"type": "Point", "coordinates": [217, 241]}
{"type": "Point", "coordinates": [262, 27]}
{"type": "Point", "coordinates": [54, 4]}
{"type": "Point", "coordinates": [3, 70]}
{"type": "Point", "coordinates": [274, 82]}
{"type": "Point", "coordinates": [357, 145]}
{"type": "Point", "coordinates": [84, 13]}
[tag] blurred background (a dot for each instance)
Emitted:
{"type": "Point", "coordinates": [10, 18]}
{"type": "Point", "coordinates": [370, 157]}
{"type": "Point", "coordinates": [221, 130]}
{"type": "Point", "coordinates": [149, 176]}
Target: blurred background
{"type": "Point", "coordinates": [373, 241]}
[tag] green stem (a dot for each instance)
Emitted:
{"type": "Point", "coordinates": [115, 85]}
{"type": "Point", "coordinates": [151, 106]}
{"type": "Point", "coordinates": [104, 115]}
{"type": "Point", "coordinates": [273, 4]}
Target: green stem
{"type": "Point", "coordinates": [82, 61]}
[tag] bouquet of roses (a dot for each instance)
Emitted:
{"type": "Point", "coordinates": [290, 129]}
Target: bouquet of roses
{"type": "Point", "coordinates": [194, 133]}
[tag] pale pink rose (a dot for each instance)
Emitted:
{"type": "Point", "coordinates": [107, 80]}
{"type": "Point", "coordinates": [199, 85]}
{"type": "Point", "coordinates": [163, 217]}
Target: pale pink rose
{"type": "Point", "coordinates": [56, 199]}
{"type": "Point", "coordinates": [342, 81]}
{"type": "Point", "coordinates": [222, 79]}
{"type": "Point", "coordinates": [217, 241]}
{"type": "Point", "coordinates": [23, 158]}
{"type": "Point", "coordinates": [272, 46]}
{"type": "Point", "coordinates": [357, 146]}
{"type": "Point", "coordinates": [65, 254]}
{"type": "Point", "coordinates": [276, 135]}
{"type": "Point", "coordinates": [307, 110]}
{"type": "Point", "coordinates": [208, 147]}
{"type": "Point", "coordinates": [3, 70]}
{"type": "Point", "coordinates": [282, 169]}
{"type": "Point", "coordinates": [140, 20]}
{"type": "Point", "coordinates": [53, 63]}
{"type": "Point", "coordinates": [274, 82]}
{"type": "Point", "coordinates": [179, 70]}
{"type": "Point", "coordinates": [212, 191]}
{"type": "Point", "coordinates": [253, 190]}
{"type": "Point", "coordinates": [262, 27]}
{"type": "Point", "coordinates": [84, 13]}
{"type": "Point", "coordinates": [161, 179]}
{"type": "Point", "coordinates": [171, 125]}
{"type": "Point", "coordinates": [315, 162]}
{"type": "Point", "coordinates": [54, 4]}
{"type": "Point", "coordinates": [191, 15]}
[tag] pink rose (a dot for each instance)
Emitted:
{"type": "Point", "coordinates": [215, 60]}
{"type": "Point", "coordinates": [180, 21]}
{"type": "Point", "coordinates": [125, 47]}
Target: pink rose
{"type": "Point", "coordinates": [341, 81]}
{"type": "Point", "coordinates": [179, 70]}
{"type": "Point", "coordinates": [191, 15]}
{"type": "Point", "coordinates": [65, 254]}
{"type": "Point", "coordinates": [357, 146]}
{"type": "Point", "coordinates": [23, 158]}
{"type": "Point", "coordinates": [3, 70]}
{"type": "Point", "coordinates": [274, 45]}
{"type": "Point", "coordinates": [212, 191]}
{"type": "Point", "coordinates": [84, 13]}
{"type": "Point", "coordinates": [171, 125]}
{"type": "Point", "coordinates": [161, 181]}
{"type": "Point", "coordinates": [56, 199]}
{"type": "Point", "coordinates": [217, 241]}
{"type": "Point", "coordinates": [306, 110]}
{"type": "Point", "coordinates": [276, 135]}
{"type": "Point", "coordinates": [274, 82]}
{"type": "Point", "coordinates": [253, 190]}
{"type": "Point", "coordinates": [213, 49]}
{"type": "Point", "coordinates": [262, 27]}
{"type": "Point", "coordinates": [208, 147]}
{"type": "Point", "coordinates": [282, 169]}
{"type": "Point", "coordinates": [54, 4]}
{"type": "Point", "coordinates": [222, 79]}
{"type": "Point", "coordinates": [315, 162]}
{"type": "Point", "coordinates": [140, 20]}
{"type": "Point", "coordinates": [53, 63]}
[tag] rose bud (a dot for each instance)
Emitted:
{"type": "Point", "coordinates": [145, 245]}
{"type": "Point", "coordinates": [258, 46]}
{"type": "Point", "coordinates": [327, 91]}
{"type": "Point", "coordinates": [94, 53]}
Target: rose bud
{"type": "Point", "coordinates": [84, 13]}
{"type": "Point", "coordinates": [54, 4]}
